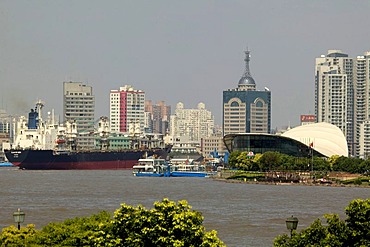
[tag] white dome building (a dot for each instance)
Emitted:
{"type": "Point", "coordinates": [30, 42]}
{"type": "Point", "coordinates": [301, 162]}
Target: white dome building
{"type": "Point", "coordinates": [324, 138]}
{"type": "Point", "coordinates": [321, 139]}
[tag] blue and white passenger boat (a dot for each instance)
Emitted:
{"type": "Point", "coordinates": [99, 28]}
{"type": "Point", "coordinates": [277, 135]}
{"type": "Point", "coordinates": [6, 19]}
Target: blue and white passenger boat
{"type": "Point", "coordinates": [151, 167]}
{"type": "Point", "coordinates": [187, 168]}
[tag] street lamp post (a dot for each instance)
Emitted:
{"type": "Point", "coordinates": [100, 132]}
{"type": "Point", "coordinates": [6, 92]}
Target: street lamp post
{"type": "Point", "coordinates": [291, 224]}
{"type": "Point", "coordinates": [19, 217]}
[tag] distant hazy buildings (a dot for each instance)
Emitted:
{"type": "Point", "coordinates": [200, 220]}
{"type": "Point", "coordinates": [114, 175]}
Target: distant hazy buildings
{"type": "Point", "coordinates": [342, 97]}
{"type": "Point", "coordinates": [183, 145]}
{"type": "Point", "coordinates": [159, 116]}
{"type": "Point", "coordinates": [79, 106]}
{"type": "Point", "coordinates": [126, 109]}
{"type": "Point", "coordinates": [192, 123]}
{"type": "Point", "coordinates": [246, 110]}
{"type": "Point", "coordinates": [5, 123]}
{"type": "Point", "coordinates": [148, 122]}
{"type": "Point", "coordinates": [212, 143]}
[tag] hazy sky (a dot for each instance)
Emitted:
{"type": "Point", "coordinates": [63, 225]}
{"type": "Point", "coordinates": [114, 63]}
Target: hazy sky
{"type": "Point", "coordinates": [176, 51]}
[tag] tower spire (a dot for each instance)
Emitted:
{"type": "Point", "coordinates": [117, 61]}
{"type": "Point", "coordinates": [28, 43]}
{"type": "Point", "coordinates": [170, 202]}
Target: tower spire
{"type": "Point", "coordinates": [247, 82]}
{"type": "Point", "coordinates": [247, 59]}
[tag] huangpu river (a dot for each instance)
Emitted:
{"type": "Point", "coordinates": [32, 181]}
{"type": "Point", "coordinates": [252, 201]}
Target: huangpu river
{"type": "Point", "coordinates": [242, 214]}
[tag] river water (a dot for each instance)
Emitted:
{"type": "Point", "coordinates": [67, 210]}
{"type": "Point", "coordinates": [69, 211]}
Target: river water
{"type": "Point", "coordinates": [242, 214]}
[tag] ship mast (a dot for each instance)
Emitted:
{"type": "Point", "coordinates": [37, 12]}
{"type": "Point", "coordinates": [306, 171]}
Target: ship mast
{"type": "Point", "coordinates": [103, 130]}
{"type": "Point", "coordinates": [39, 106]}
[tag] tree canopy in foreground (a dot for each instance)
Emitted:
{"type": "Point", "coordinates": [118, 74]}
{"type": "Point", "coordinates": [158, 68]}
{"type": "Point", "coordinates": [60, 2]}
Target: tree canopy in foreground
{"type": "Point", "coordinates": [353, 231]}
{"type": "Point", "coordinates": [167, 224]}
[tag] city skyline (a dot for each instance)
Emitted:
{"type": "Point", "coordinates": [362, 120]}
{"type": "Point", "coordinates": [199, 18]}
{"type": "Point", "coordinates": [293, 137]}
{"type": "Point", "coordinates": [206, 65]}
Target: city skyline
{"type": "Point", "coordinates": [174, 51]}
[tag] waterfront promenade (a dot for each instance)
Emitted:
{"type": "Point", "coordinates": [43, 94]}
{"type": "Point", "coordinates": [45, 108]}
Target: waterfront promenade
{"type": "Point", "coordinates": [334, 179]}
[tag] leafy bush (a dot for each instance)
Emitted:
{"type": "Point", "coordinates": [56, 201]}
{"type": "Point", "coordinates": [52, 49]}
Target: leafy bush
{"type": "Point", "coordinates": [11, 236]}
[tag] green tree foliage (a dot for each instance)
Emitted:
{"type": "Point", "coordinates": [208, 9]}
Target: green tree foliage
{"type": "Point", "coordinates": [354, 231]}
{"type": "Point", "coordinates": [271, 161]}
{"type": "Point", "coordinates": [358, 221]}
{"type": "Point", "coordinates": [241, 161]}
{"type": "Point", "coordinates": [363, 167]}
{"type": "Point", "coordinates": [72, 232]}
{"type": "Point", "coordinates": [320, 164]}
{"type": "Point", "coordinates": [345, 164]}
{"type": "Point", "coordinates": [11, 236]}
{"type": "Point", "coordinates": [233, 159]}
{"type": "Point", "coordinates": [167, 224]}
{"type": "Point", "coordinates": [351, 165]}
{"type": "Point", "coordinates": [332, 160]}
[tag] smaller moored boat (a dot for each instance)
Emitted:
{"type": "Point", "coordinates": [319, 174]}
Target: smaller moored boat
{"type": "Point", "coordinates": [151, 167]}
{"type": "Point", "coordinates": [6, 164]}
{"type": "Point", "coordinates": [187, 168]}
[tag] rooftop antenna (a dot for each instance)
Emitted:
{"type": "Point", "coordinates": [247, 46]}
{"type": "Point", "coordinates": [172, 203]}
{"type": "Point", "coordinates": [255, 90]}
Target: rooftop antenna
{"type": "Point", "coordinates": [247, 59]}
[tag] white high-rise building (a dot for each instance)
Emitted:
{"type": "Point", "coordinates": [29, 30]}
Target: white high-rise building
{"type": "Point", "coordinates": [79, 106]}
{"type": "Point", "coordinates": [342, 96]}
{"type": "Point", "coordinates": [364, 142]}
{"type": "Point", "coordinates": [126, 110]}
{"type": "Point", "coordinates": [362, 107]}
{"type": "Point", "coordinates": [193, 123]}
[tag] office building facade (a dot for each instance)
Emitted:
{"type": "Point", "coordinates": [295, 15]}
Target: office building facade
{"type": "Point", "coordinates": [245, 109]}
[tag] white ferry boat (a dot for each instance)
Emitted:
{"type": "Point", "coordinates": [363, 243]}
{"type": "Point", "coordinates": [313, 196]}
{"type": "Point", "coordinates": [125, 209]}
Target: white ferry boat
{"type": "Point", "coordinates": [151, 167]}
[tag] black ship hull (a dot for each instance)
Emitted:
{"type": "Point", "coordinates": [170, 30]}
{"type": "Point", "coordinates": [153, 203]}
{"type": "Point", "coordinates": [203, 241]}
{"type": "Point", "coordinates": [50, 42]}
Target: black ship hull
{"type": "Point", "coordinates": [81, 160]}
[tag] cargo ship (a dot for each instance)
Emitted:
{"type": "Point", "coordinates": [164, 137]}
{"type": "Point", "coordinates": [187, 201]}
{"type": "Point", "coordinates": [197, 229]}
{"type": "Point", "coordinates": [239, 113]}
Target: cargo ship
{"type": "Point", "coordinates": [93, 160]}
{"type": "Point", "coordinates": [42, 145]}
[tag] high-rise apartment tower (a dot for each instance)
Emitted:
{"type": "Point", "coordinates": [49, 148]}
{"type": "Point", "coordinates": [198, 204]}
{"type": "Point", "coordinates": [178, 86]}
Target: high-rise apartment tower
{"type": "Point", "coordinates": [342, 97]}
{"type": "Point", "coordinates": [192, 123]}
{"type": "Point", "coordinates": [79, 106]}
{"type": "Point", "coordinates": [126, 110]}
